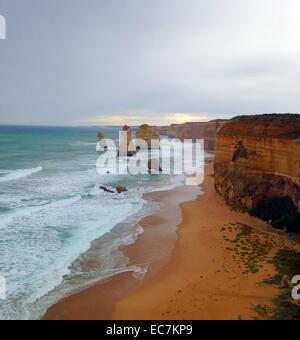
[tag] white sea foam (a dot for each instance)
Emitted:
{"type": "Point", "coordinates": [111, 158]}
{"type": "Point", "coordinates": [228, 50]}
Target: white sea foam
{"type": "Point", "coordinates": [17, 174]}
{"type": "Point", "coordinates": [43, 255]}
{"type": "Point", "coordinates": [81, 242]}
{"type": "Point", "coordinates": [9, 217]}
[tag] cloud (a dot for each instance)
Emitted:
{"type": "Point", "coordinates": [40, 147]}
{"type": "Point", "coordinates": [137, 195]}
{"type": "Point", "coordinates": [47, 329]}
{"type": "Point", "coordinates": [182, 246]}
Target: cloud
{"type": "Point", "coordinates": [146, 118]}
{"type": "Point", "coordinates": [144, 61]}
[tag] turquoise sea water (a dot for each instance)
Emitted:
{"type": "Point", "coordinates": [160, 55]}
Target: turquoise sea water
{"type": "Point", "coordinates": [51, 209]}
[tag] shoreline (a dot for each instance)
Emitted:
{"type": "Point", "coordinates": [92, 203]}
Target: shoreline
{"type": "Point", "coordinates": [152, 250]}
{"type": "Point", "coordinates": [196, 278]}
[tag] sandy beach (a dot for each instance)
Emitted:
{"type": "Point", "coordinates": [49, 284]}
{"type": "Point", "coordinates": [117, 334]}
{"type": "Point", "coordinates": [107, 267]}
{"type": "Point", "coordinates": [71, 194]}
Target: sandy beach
{"type": "Point", "coordinates": [193, 271]}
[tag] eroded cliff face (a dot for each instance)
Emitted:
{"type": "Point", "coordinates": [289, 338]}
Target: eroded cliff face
{"type": "Point", "coordinates": [258, 157]}
{"type": "Point", "coordinates": [202, 130]}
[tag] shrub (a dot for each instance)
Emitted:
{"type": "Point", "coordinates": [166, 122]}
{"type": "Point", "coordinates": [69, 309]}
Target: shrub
{"type": "Point", "coordinates": [281, 211]}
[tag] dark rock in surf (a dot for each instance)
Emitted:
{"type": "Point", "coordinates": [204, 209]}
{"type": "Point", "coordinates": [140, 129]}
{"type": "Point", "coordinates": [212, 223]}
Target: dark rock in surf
{"type": "Point", "coordinates": [107, 190]}
{"type": "Point", "coordinates": [121, 189]}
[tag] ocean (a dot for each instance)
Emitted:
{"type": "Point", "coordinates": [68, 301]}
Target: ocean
{"type": "Point", "coordinates": [52, 209]}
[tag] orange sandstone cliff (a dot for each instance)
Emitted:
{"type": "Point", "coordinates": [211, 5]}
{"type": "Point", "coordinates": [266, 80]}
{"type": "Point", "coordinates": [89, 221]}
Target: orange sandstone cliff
{"type": "Point", "coordinates": [149, 135]}
{"type": "Point", "coordinates": [200, 130]}
{"type": "Point", "coordinates": [258, 157]}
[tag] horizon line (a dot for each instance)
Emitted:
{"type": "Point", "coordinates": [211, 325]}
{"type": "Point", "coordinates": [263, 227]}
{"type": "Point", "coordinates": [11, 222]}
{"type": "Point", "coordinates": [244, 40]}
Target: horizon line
{"type": "Point", "coordinates": [154, 125]}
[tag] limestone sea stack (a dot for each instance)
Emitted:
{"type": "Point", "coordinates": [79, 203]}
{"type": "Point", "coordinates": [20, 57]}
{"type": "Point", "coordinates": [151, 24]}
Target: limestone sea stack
{"type": "Point", "coordinates": [101, 140]}
{"type": "Point", "coordinates": [100, 136]}
{"type": "Point", "coordinates": [149, 135]}
{"type": "Point", "coordinates": [126, 146]}
{"type": "Point", "coordinates": [127, 130]}
{"type": "Point", "coordinates": [258, 157]}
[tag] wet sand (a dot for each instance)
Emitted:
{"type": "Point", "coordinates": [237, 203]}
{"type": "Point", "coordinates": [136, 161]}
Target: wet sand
{"type": "Point", "coordinates": [191, 273]}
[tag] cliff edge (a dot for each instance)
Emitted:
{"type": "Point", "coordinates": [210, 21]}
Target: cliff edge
{"type": "Point", "coordinates": [258, 157]}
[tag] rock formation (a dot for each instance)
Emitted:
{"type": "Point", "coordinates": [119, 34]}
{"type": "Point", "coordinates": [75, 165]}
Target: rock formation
{"type": "Point", "coordinates": [201, 130]}
{"type": "Point", "coordinates": [121, 189]}
{"type": "Point", "coordinates": [101, 141]}
{"type": "Point", "coordinates": [127, 129]}
{"type": "Point", "coordinates": [126, 147]}
{"type": "Point", "coordinates": [148, 134]}
{"type": "Point", "coordinates": [100, 135]}
{"type": "Point", "coordinates": [258, 157]}
{"type": "Point", "coordinates": [106, 190]}
{"type": "Point", "coordinates": [210, 133]}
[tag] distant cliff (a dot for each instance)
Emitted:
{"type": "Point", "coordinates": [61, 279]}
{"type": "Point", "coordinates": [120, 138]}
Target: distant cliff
{"type": "Point", "coordinates": [201, 130]}
{"type": "Point", "coordinates": [258, 157]}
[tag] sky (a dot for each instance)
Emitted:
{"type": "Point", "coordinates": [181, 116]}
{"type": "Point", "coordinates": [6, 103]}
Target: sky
{"type": "Point", "coordinates": [111, 62]}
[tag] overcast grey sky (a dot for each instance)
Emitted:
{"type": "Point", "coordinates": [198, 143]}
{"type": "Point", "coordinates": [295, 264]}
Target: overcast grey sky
{"type": "Point", "coordinates": [88, 62]}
